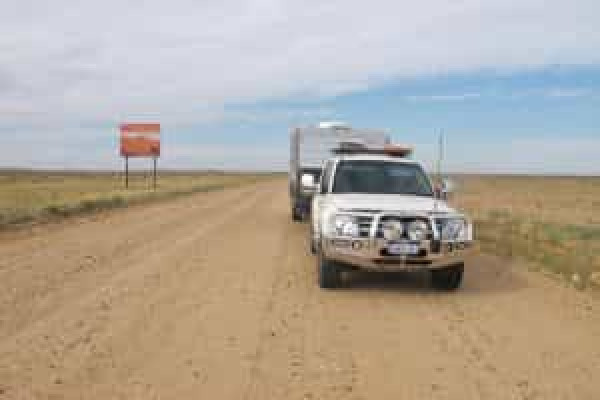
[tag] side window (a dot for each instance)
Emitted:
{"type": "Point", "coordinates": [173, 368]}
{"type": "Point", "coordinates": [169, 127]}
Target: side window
{"type": "Point", "coordinates": [326, 178]}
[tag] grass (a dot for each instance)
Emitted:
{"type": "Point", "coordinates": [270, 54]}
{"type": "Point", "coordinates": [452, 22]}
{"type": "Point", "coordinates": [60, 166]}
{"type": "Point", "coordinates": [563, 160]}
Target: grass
{"type": "Point", "coordinates": [552, 222]}
{"type": "Point", "coordinates": [34, 196]}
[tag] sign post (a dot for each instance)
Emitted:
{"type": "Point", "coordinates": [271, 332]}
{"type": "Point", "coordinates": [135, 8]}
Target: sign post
{"type": "Point", "coordinates": [126, 172]}
{"type": "Point", "coordinates": [140, 140]}
{"type": "Point", "coordinates": [154, 175]}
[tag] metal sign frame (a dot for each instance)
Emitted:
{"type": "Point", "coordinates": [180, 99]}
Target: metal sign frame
{"type": "Point", "coordinates": [140, 140]}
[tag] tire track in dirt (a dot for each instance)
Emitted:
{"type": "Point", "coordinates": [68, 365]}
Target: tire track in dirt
{"type": "Point", "coordinates": [282, 328]}
{"type": "Point", "coordinates": [82, 261]}
{"type": "Point", "coordinates": [492, 339]}
{"type": "Point", "coordinates": [292, 362]}
{"type": "Point", "coordinates": [48, 338]}
{"type": "Point", "coordinates": [495, 359]}
{"type": "Point", "coordinates": [221, 346]}
{"type": "Point", "coordinates": [269, 326]}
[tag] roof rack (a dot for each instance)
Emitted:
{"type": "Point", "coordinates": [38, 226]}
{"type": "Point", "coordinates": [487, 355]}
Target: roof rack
{"type": "Point", "coordinates": [358, 147]}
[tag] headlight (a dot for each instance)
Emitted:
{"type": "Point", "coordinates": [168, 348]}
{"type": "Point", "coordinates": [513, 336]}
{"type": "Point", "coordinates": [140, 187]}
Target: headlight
{"type": "Point", "coordinates": [417, 230]}
{"type": "Point", "coordinates": [393, 230]}
{"type": "Point", "coordinates": [454, 229]}
{"type": "Point", "coordinates": [345, 225]}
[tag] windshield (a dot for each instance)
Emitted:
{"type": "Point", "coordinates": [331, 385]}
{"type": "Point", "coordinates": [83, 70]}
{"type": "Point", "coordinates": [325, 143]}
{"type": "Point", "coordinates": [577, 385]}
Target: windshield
{"type": "Point", "coordinates": [381, 177]}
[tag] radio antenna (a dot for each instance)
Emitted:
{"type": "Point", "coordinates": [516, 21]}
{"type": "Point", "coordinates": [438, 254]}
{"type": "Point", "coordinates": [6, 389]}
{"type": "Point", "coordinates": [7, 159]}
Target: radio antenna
{"type": "Point", "coordinates": [440, 156]}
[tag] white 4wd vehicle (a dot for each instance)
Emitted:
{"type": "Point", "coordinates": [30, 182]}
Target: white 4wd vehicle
{"type": "Point", "coordinates": [378, 212]}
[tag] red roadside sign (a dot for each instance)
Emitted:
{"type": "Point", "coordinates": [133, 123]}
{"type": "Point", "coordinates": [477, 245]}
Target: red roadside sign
{"type": "Point", "coordinates": [140, 140]}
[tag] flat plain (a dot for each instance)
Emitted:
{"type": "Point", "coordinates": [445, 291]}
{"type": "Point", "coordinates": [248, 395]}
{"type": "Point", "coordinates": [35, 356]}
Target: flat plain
{"type": "Point", "coordinates": [214, 295]}
{"type": "Point", "coordinates": [33, 196]}
{"type": "Point", "coordinates": [553, 222]}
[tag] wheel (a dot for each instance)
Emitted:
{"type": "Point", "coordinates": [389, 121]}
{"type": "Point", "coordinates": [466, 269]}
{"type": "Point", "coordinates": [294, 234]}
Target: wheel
{"type": "Point", "coordinates": [314, 243]}
{"type": "Point", "coordinates": [296, 216]}
{"type": "Point", "coordinates": [313, 246]}
{"type": "Point", "coordinates": [448, 278]}
{"type": "Point", "coordinates": [329, 274]}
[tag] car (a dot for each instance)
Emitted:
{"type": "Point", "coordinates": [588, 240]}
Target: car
{"type": "Point", "coordinates": [377, 210]}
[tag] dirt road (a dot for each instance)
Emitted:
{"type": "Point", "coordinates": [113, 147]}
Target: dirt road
{"type": "Point", "coordinates": [214, 296]}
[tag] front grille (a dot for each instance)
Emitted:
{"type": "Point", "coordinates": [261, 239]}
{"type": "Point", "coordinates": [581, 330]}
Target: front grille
{"type": "Point", "coordinates": [395, 261]}
{"type": "Point", "coordinates": [439, 223]}
{"type": "Point", "coordinates": [364, 226]}
{"type": "Point", "coordinates": [422, 253]}
{"type": "Point", "coordinates": [405, 221]}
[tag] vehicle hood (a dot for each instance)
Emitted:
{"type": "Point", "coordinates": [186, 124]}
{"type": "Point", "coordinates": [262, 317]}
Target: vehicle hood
{"type": "Point", "coordinates": [388, 202]}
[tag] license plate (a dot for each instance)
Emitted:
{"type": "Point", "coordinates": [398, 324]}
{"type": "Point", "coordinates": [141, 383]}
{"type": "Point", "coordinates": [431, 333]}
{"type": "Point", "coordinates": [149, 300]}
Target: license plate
{"type": "Point", "coordinates": [404, 249]}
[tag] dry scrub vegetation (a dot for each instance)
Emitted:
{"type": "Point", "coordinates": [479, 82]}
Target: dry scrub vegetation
{"type": "Point", "coordinates": [552, 222]}
{"type": "Point", "coordinates": [27, 196]}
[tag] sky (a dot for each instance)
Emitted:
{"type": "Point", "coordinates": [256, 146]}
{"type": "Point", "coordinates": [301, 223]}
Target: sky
{"type": "Point", "coordinates": [513, 85]}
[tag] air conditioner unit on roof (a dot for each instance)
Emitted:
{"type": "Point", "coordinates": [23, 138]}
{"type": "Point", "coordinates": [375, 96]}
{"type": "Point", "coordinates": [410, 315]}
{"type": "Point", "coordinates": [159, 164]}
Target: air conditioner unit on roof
{"type": "Point", "coordinates": [358, 147]}
{"type": "Point", "coordinates": [351, 146]}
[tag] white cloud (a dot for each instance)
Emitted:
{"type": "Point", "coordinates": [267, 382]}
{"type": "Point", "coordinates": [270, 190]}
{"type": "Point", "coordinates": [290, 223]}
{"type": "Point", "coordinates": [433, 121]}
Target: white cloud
{"type": "Point", "coordinates": [536, 93]}
{"type": "Point", "coordinates": [112, 59]}
{"type": "Point", "coordinates": [444, 97]}
{"type": "Point", "coordinates": [66, 64]}
{"type": "Point", "coordinates": [568, 92]}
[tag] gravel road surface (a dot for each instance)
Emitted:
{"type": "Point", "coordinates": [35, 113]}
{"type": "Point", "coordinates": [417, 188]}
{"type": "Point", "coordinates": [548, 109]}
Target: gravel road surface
{"type": "Point", "coordinates": [214, 296]}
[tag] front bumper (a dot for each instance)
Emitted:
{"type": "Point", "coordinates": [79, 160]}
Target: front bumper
{"type": "Point", "coordinates": [370, 254]}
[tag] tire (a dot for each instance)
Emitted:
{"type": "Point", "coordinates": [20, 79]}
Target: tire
{"type": "Point", "coordinates": [329, 274]}
{"type": "Point", "coordinates": [314, 244]}
{"type": "Point", "coordinates": [296, 216]}
{"type": "Point", "coordinates": [448, 278]}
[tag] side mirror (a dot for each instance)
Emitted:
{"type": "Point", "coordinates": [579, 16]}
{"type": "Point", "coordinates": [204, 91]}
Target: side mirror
{"type": "Point", "coordinates": [308, 184]}
{"type": "Point", "coordinates": [444, 190]}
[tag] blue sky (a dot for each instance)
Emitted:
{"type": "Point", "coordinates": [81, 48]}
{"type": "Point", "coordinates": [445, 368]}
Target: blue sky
{"type": "Point", "coordinates": [544, 120]}
{"type": "Point", "coordinates": [513, 85]}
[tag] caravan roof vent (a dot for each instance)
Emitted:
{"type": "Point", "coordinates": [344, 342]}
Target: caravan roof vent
{"type": "Point", "coordinates": [333, 125]}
